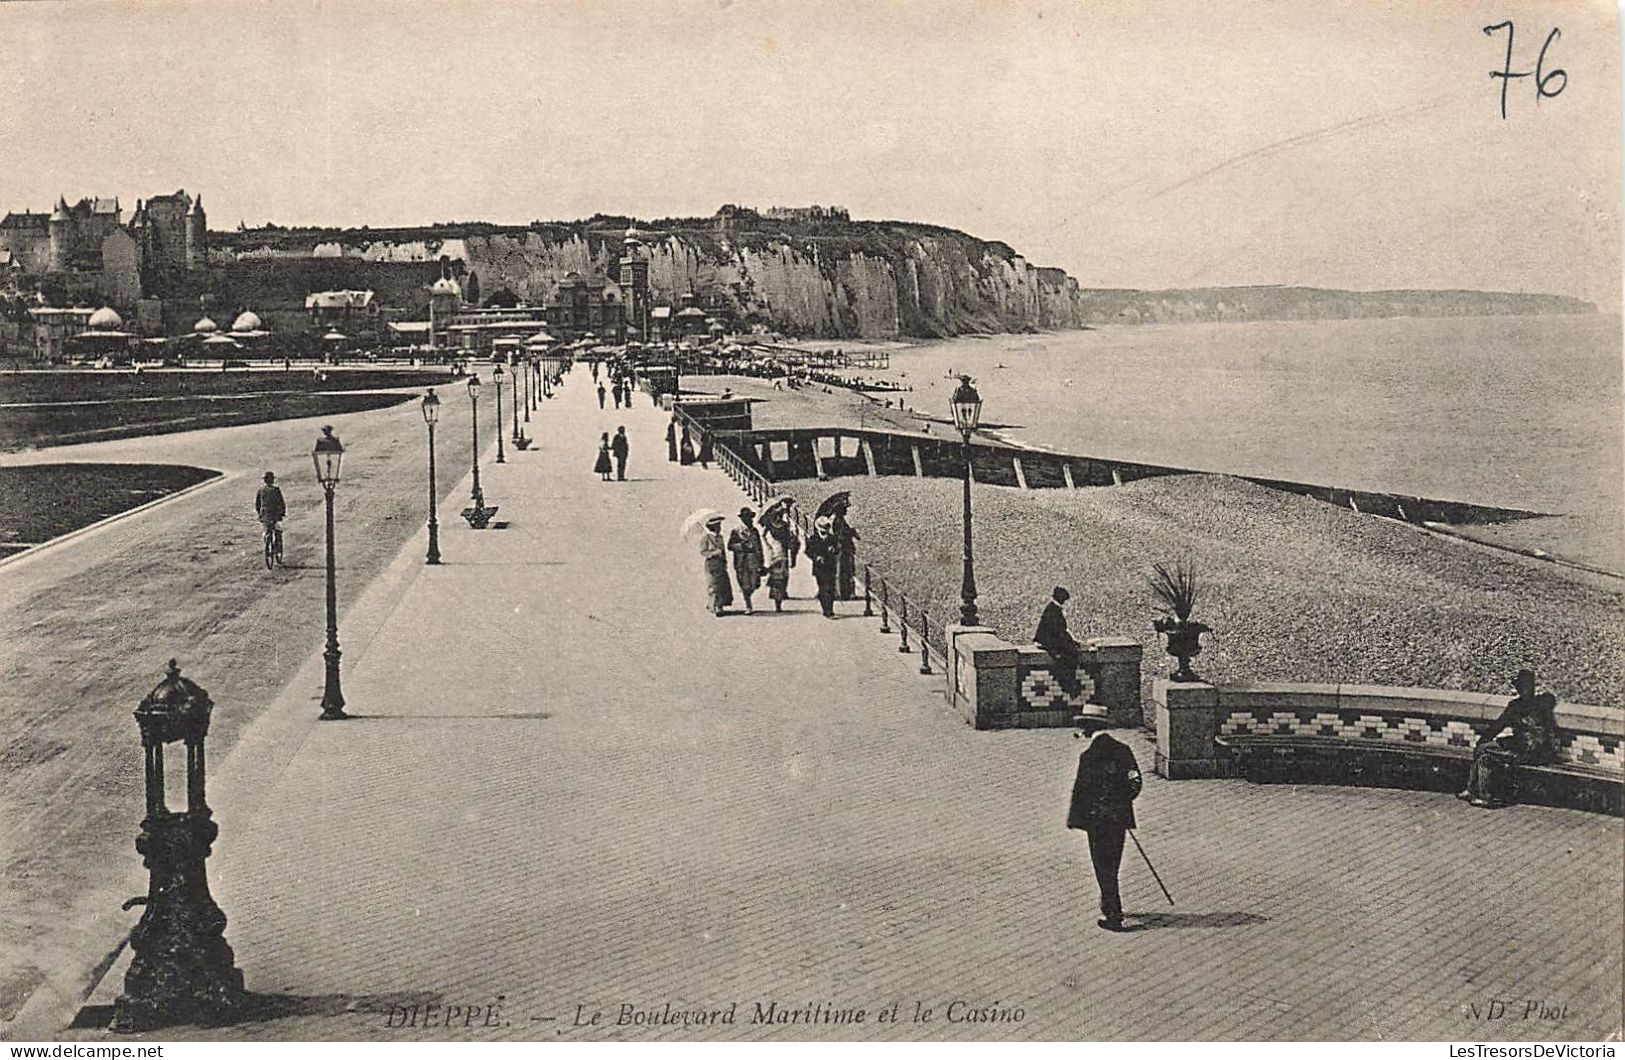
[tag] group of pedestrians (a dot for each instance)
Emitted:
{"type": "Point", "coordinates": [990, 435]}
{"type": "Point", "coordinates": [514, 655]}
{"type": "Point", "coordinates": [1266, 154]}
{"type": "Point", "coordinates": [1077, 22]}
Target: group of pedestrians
{"type": "Point", "coordinates": [620, 389]}
{"type": "Point", "coordinates": [681, 448]}
{"type": "Point", "coordinates": [617, 448]}
{"type": "Point", "coordinates": [760, 552]}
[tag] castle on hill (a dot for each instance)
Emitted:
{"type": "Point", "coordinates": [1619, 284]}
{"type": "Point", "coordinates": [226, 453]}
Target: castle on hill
{"type": "Point", "coordinates": [90, 244]}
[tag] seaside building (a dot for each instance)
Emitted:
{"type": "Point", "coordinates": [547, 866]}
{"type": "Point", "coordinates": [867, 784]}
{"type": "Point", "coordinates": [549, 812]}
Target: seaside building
{"type": "Point", "coordinates": [579, 306]}
{"type": "Point", "coordinates": [54, 327]}
{"type": "Point", "coordinates": [355, 314]}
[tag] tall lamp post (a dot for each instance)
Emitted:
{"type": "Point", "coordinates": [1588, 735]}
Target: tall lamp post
{"type": "Point", "coordinates": [327, 456]}
{"type": "Point", "coordinates": [967, 408]}
{"type": "Point", "coordinates": [514, 376]}
{"type": "Point", "coordinates": [530, 370]}
{"type": "Point", "coordinates": [497, 372]}
{"type": "Point", "coordinates": [474, 413]}
{"type": "Point", "coordinates": [431, 416]}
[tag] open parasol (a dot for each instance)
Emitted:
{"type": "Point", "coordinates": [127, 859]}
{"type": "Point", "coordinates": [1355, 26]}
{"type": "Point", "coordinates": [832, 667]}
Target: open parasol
{"type": "Point", "coordinates": [835, 503]}
{"type": "Point", "coordinates": [698, 519]}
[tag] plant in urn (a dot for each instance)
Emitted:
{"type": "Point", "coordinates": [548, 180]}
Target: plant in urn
{"type": "Point", "coordinates": [1176, 590]}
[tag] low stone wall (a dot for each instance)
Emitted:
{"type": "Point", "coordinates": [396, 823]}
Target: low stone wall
{"type": "Point", "coordinates": [1190, 716]}
{"type": "Point", "coordinates": [995, 684]}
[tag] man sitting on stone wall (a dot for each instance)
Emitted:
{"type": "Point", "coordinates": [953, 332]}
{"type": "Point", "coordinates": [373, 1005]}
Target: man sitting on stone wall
{"type": "Point", "coordinates": [1524, 734]}
{"type": "Point", "coordinates": [1054, 637]}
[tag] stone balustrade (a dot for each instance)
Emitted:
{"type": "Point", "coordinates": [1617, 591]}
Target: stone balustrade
{"type": "Point", "coordinates": [1193, 719]}
{"type": "Point", "coordinates": [995, 684]}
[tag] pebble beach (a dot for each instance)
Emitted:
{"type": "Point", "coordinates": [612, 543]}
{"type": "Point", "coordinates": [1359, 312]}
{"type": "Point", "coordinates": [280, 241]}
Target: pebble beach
{"type": "Point", "coordinates": [1295, 589]}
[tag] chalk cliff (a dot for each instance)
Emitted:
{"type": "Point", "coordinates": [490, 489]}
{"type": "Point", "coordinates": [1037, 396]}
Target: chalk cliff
{"type": "Point", "coordinates": [837, 279]}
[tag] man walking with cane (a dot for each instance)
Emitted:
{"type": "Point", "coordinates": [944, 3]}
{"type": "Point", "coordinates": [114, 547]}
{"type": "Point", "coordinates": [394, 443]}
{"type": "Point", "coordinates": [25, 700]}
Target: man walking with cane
{"type": "Point", "coordinates": [1103, 797]}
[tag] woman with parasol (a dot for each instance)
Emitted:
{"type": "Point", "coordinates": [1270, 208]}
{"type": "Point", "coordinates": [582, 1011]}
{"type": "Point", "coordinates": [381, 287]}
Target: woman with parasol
{"type": "Point", "coordinates": [779, 545]}
{"type": "Point", "coordinates": [835, 507]}
{"type": "Point", "coordinates": [714, 554]}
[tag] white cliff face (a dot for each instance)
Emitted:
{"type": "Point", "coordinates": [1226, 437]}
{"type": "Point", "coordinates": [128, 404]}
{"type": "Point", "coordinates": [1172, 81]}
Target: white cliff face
{"type": "Point", "coordinates": [864, 281]}
{"type": "Point", "coordinates": [928, 287]}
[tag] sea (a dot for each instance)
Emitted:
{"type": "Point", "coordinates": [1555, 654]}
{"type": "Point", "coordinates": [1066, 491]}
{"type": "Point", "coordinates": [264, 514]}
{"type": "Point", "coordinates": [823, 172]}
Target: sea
{"type": "Point", "coordinates": [1512, 411]}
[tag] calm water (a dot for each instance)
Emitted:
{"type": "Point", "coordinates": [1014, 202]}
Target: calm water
{"type": "Point", "coordinates": [1517, 411]}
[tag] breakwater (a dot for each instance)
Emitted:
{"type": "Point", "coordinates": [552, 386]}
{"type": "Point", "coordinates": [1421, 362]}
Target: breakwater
{"type": "Point", "coordinates": [783, 454]}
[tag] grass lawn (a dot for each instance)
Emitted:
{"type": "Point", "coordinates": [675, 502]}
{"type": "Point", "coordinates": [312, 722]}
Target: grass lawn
{"type": "Point", "coordinates": [1296, 590]}
{"type": "Point", "coordinates": [33, 426]}
{"type": "Point", "coordinates": [42, 501]}
{"type": "Point", "coordinates": [91, 385]}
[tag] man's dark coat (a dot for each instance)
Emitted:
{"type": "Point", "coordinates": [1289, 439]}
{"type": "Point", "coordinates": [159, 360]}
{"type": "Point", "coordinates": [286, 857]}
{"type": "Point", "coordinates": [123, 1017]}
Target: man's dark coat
{"type": "Point", "coordinates": [1107, 784]}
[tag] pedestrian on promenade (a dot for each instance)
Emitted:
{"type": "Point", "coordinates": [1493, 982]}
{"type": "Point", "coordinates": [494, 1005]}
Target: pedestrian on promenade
{"type": "Point", "coordinates": [777, 540]}
{"type": "Point", "coordinates": [1103, 795]}
{"type": "Point", "coordinates": [602, 465]}
{"type": "Point", "coordinates": [715, 554]}
{"type": "Point", "coordinates": [821, 550]}
{"type": "Point", "coordinates": [707, 454]}
{"type": "Point", "coordinates": [687, 450]}
{"type": "Point", "coordinates": [620, 447]}
{"type": "Point", "coordinates": [600, 395]}
{"type": "Point", "coordinates": [1054, 637]}
{"type": "Point", "coordinates": [1524, 734]}
{"type": "Point", "coordinates": [745, 542]}
{"type": "Point", "coordinates": [594, 365]}
{"type": "Point", "coordinates": [671, 440]}
{"type": "Point", "coordinates": [846, 560]}
{"type": "Point", "coordinates": [615, 392]}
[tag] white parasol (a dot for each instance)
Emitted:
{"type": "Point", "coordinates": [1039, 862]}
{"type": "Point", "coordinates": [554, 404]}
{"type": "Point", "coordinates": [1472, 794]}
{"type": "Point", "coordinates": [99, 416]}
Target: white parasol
{"type": "Point", "coordinates": [699, 518]}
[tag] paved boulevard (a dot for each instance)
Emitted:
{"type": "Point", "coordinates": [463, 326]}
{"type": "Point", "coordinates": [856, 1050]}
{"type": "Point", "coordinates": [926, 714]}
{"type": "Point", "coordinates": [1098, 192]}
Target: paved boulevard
{"type": "Point", "coordinates": [569, 789]}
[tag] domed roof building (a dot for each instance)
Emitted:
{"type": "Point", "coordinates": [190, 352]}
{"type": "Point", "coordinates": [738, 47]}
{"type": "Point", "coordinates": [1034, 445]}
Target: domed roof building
{"type": "Point", "coordinates": [444, 286]}
{"type": "Point", "coordinates": [205, 327]}
{"type": "Point", "coordinates": [105, 319]}
{"type": "Point", "coordinates": [246, 321]}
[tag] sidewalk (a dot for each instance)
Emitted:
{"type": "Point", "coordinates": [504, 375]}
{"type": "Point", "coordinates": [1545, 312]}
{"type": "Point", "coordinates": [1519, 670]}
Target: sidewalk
{"type": "Point", "coordinates": [568, 785]}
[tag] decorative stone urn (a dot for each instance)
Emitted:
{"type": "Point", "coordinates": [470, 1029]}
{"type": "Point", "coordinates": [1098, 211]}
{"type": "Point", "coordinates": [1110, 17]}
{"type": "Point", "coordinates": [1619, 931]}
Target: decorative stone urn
{"type": "Point", "coordinates": [1184, 644]}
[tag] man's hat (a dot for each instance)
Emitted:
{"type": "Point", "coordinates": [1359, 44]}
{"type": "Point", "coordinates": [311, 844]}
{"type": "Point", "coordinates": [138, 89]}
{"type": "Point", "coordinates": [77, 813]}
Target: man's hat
{"type": "Point", "coordinates": [1522, 676]}
{"type": "Point", "coordinates": [747, 512]}
{"type": "Point", "coordinates": [1093, 717]}
{"type": "Point", "coordinates": [715, 520]}
{"type": "Point", "coordinates": [1060, 590]}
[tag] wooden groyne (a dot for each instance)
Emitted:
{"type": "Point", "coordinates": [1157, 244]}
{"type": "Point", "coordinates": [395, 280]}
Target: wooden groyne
{"type": "Point", "coordinates": [785, 454]}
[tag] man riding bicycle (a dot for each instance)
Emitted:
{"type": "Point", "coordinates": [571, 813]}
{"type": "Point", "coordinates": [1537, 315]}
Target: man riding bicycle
{"type": "Point", "coordinates": [270, 507]}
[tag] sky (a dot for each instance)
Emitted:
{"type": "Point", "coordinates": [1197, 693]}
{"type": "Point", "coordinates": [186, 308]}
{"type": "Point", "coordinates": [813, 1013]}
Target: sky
{"type": "Point", "coordinates": [1134, 144]}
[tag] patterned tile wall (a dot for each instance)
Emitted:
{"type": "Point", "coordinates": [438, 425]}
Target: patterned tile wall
{"type": "Point", "coordinates": [1580, 748]}
{"type": "Point", "coordinates": [1041, 691]}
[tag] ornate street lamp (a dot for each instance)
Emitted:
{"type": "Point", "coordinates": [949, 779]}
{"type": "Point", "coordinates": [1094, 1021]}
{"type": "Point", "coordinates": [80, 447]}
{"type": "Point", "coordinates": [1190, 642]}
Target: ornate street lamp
{"type": "Point", "coordinates": [327, 456]}
{"type": "Point", "coordinates": [514, 405]}
{"type": "Point", "coordinates": [530, 370]}
{"type": "Point", "coordinates": [183, 970]}
{"type": "Point", "coordinates": [967, 409]}
{"type": "Point", "coordinates": [497, 372]}
{"type": "Point", "coordinates": [477, 514]}
{"type": "Point", "coordinates": [431, 416]}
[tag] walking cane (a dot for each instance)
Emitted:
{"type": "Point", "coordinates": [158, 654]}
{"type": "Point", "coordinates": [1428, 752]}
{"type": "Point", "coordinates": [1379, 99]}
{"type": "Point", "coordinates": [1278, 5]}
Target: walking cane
{"type": "Point", "coordinates": [1150, 866]}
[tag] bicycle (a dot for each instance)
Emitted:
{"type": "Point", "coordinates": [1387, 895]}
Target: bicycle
{"type": "Point", "coordinates": [273, 545]}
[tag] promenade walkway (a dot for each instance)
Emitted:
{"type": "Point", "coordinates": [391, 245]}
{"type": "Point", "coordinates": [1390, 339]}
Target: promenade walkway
{"type": "Point", "coordinates": [568, 788]}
